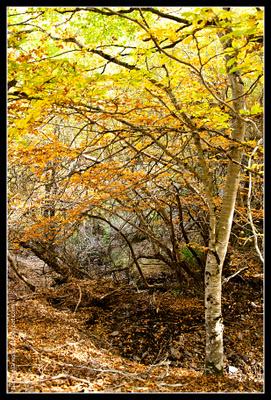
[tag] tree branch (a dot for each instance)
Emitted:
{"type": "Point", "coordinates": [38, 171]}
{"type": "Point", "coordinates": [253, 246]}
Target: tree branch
{"type": "Point", "coordinates": [226, 280]}
{"type": "Point", "coordinates": [13, 264]}
{"type": "Point", "coordinates": [250, 218]}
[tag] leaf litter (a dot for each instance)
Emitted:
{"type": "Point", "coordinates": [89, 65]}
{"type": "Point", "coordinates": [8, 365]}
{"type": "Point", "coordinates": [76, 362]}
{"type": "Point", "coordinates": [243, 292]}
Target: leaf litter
{"type": "Point", "coordinates": [99, 336]}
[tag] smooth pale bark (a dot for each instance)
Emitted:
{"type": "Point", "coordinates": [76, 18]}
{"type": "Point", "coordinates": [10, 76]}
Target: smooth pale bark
{"type": "Point", "coordinates": [213, 276]}
{"type": "Point", "coordinates": [218, 247]}
{"type": "Point", "coordinates": [213, 317]}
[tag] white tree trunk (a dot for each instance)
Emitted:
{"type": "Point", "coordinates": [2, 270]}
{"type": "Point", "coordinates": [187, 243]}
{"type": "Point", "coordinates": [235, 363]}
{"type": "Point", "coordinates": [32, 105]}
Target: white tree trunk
{"type": "Point", "coordinates": [213, 275]}
{"type": "Point", "coordinates": [213, 316]}
{"type": "Point", "coordinates": [218, 246]}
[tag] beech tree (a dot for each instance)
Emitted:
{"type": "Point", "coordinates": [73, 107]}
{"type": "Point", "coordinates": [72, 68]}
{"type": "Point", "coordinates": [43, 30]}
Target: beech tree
{"type": "Point", "coordinates": [120, 110]}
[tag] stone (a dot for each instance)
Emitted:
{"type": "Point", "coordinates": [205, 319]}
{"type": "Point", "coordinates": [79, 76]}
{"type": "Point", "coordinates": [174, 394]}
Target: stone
{"type": "Point", "coordinates": [232, 369]}
{"type": "Point", "coordinates": [115, 333]}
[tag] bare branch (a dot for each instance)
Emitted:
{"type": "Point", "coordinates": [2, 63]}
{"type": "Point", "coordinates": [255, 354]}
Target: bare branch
{"type": "Point", "coordinates": [250, 218]}
{"type": "Point", "coordinates": [226, 280]}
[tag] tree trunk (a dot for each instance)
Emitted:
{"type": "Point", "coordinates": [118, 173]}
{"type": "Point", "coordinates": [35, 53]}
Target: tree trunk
{"type": "Point", "coordinates": [213, 275]}
{"type": "Point", "coordinates": [218, 250]}
{"type": "Point", "coordinates": [14, 265]}
{"type": "Point", "coordinates": [48, 255]}
{"type": "Point", "coordinates": [213, 316]}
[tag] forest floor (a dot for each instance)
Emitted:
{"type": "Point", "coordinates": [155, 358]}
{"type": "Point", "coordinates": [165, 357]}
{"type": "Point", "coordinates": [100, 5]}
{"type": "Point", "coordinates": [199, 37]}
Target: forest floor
{"type": "Point", "coordinates": [100, 336]}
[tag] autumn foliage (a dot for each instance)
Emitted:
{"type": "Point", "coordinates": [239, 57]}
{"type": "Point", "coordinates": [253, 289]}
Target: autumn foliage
{"type": "Point", "coordinates": [140, 120]}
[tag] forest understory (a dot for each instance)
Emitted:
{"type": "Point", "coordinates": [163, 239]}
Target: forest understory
{"type": "Point", "coordinates": [99, 335]}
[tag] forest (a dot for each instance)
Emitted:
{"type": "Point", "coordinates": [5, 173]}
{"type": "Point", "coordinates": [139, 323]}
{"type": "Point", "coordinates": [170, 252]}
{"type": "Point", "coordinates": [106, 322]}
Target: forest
{"type": "Point", "coordinates": [135, 199]}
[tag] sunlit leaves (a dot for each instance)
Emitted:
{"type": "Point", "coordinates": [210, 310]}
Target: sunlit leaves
{"type": "Point", "coordinates": [99, 101]}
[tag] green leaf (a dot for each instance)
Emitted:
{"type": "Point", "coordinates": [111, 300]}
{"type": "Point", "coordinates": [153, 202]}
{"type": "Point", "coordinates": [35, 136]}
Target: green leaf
{"type": "Point", "coordinates": [234, 69]}
{"type": "Point", "coordinates": [231, 61]}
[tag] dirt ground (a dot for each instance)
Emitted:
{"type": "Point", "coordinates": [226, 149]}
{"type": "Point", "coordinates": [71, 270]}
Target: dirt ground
{"type": "Point", "coordinates": [104, 336]}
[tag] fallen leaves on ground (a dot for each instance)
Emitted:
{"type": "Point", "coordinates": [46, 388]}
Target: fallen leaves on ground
{"type": "Point", "coordinates": [96, 336]}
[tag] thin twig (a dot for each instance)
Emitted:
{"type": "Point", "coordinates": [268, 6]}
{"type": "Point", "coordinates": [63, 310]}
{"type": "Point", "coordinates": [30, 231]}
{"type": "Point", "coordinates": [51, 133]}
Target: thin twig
{"type": "Point", "coordinates": [173, 384]}
{"type": "Point", "coordinates": [79, 300]}
{"type": "Point", "coordinates": [255, 236]}
{"type": "Point", "coordinates": [115, 371]}
{"type": "Point", "coordinates": [51, 378]}
{"type": "Point", "coordinates": [110, 293]}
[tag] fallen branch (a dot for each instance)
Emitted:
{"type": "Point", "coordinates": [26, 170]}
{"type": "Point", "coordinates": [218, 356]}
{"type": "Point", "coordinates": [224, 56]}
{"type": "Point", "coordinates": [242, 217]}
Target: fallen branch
{"type": "Point", "coordinates": [102, 370]}
{"type": "Point", "coordinates": [226, 280]}
{"type": "Point", "coordinates": [129, 375]}
{"type": "Point", "coordinates": [110, 293]}
{"type": "Point", "coordinates": [115, 371]}
{"type": "Point", "coordinates": [173, 384]}
{"type": "Point", "coordinates": [14, 264]}
{"type": "Point", "coordinates": [29, 346]}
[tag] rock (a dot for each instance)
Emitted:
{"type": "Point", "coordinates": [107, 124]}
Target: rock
{"type": "Point", "coordinates": [115, 333]}
{"type": "Point", "coordinates": [175, 353]}
{"type": "Point", "coordinates": [232, 369]}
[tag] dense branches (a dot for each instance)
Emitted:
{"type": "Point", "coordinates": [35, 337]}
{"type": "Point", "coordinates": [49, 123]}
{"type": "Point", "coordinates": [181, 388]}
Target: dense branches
{"type": "Point", "coordinates": [148, 119]}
